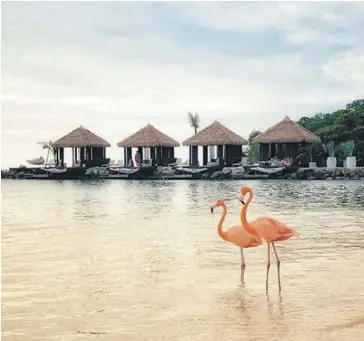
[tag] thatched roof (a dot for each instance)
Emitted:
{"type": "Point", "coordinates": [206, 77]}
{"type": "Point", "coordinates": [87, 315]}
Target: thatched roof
{"type": "Point", "coordinates": [81, 137]}
{"type": "Point", "coordinates": [213, 135]}
{"type": "Point", "coordinates": [286, 131]}
{"type": "Point", "coordinates": [148, 137]}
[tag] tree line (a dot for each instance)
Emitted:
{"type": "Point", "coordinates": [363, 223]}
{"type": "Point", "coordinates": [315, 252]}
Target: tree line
{"type": "Point", "coordinates": [341, 132]}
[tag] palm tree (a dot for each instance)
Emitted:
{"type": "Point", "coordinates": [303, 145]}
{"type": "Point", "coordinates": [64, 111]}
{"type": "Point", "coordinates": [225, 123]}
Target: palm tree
{"type": "Point", "coordinates": [194, 120]}
{"type": "Point", "coordinates": [51, 149]}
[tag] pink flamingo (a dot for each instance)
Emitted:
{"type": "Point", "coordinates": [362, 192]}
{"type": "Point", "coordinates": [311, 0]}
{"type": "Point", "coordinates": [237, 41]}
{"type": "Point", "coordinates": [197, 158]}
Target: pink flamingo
{"type": "Point", "coordinates": [269, 229]}
{"type": "Point", "coordinates": [236, 235]}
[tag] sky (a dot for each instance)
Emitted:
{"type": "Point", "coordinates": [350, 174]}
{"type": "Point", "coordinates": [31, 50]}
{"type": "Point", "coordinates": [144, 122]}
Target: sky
{"type": "Point", "coordinates": [114, 67]}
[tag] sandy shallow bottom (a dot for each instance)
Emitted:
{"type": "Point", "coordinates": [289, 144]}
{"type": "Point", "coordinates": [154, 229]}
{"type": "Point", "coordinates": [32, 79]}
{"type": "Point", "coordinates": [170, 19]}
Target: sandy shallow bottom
{"type": "Point", "coordinates": [111, 262]}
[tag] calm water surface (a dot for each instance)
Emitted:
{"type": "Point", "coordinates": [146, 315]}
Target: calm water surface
{"type": "Point", "coordinates": [123, 260]}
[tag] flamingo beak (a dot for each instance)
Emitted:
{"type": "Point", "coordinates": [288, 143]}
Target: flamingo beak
{"type": "Point", "coordinates": [212, 209]}
{"type": "Point", "coordinates": [241, 199]}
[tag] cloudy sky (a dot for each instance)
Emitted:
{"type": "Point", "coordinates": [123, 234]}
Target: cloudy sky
{"type": "Point", "coordinates": [115, 66]}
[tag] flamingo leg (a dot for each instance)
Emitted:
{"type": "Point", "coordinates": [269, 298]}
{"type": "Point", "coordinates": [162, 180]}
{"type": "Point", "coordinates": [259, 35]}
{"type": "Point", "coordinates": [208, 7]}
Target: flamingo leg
{"type": "Point", "coordinates": [278, 266]}
{"type": "Point", "coordinates": [268, 266]}
{"type": "Point", "coordinates": [242, 265]}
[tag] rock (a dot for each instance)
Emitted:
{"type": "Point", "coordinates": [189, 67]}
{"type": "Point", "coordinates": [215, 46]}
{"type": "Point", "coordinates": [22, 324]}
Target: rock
{"type": "Point", "coordinates": [318, 174]}
{"type": "Point", "coordinates": [205, 176]}
{"type": "Point", "coordinates": [216, 175]}
{"type": "Point", "coordinates": [339, 178]}
{"type": "Point", "coordinates": [311, 178]}
{"type": "Point", "coordinates": [329, 178]}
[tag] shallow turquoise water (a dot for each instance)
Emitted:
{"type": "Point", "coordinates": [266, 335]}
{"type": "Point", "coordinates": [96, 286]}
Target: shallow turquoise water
{"type": "Point", "coordinates": [136, 260]}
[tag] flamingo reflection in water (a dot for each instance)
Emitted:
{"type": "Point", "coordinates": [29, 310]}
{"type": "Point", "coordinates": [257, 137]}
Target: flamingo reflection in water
{"type": "Point", "coordinates": [269, 229]}
{"type": "Point", "coordinates": [236, 235]}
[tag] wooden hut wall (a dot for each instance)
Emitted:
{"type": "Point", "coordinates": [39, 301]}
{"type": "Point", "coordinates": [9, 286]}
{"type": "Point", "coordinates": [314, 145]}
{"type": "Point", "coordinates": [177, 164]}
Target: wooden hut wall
{"type": "Point", "coordinates": [220, 153]}
{"type": "Point", "coordinates": [194, 156]}
{"type": "Point", "coordinates": [233, 154]}
{"type": "Point", "coordinates": [97, 153]}
{"type": "Point", "coordinates": [158, 154]}
{"type": "Point", "coordinates": [140, 150]}
{"type": "Point", "coordinates": [165, 152]}
{"type": "Point", "coordinates": [171, 151]}
{"type": "Point", "coordinates": [263, 151]}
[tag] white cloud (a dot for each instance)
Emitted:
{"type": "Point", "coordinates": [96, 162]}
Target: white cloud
{"type": "Point", "coordinates": [347, 68]}
{"type": "Point", "coordinates": [114, 72]}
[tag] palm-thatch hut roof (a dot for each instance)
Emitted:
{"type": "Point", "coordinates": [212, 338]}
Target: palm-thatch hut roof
{"type": "Point", "coordinates": [286, 131]}
{"type": "Point", "coordinates": [148, 137]}
{"type": "Point", "coordinates": [81, 137]}
{"type": "Point", "coordinates": [213, 135]}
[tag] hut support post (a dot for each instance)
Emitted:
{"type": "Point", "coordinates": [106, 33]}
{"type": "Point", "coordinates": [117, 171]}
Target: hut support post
{"type": "Point", "coordinates": [76, 156]}
{"type": "Point", "coordinates": [194, 155]}
{"type": "Point", "coordinates": [61, 154]}
{"type": "Point", "coordinates": [57, 156]}
{"type": "Point", "coordinates": [220, 154]}
{"type": "Point", "coordinates": [205, 155]}
{"type": "Point", "coordinates": [82, 153]}
{"type": "Point", "coordinates": [140, 150]}
{"type": "Point", "coordinates": [159, 155]}
{"type": "Point", "coordinates": [280, 153]}
{"type": "Point", "coordinates": [88, 153]}
{"type": "Point", "coordinates": [226, 154]}
{"type": "Point", "coordinates": [126, 157]}
{"type": "Point", "coordinates": [129, 155]}
{"type": "Point", "coordinates": [152, 153]}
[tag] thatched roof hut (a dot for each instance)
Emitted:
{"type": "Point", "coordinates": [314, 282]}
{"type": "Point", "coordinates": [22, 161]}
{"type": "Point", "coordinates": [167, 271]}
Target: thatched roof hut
{"type": "Point", "coordinates": [286, 131]}
{"type": "Point", "coordinates": [213, 135]}
{"type": "Point", "coordinates": [87, 148]}
{"type": "Point", "coordinates": [81, 137]}
{"type": "Point", "coordinates": [146, 137]}
{"type": "Point", "coordinates": [228, 144]}
{"type": "Point", "coordinates": [284, 139]}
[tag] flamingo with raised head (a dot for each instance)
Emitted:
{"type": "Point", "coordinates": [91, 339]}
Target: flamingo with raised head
{"type": "Point", "coordinates": [236, 235]}
{"type": "Point", "coordinates": [267, 228]}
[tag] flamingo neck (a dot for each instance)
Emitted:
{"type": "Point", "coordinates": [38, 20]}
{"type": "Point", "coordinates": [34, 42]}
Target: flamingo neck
{"type": "Point", "coordinates": [221, 222]}
{"type": "Point", "coordinates": [243, 219]}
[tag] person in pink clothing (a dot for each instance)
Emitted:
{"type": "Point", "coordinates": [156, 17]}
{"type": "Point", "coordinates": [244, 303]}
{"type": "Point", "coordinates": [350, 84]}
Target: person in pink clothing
{"type": "Point", "coordinates": [138, 159]}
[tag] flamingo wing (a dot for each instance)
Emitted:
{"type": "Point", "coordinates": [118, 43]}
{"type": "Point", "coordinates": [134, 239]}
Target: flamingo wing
{"type": "Point", "coordinates": [238, 236]}
{"type": "Point", "coordinates": [272, 230]}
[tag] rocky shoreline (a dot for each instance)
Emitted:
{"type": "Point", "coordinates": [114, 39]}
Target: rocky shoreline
{"type": "Point", "coordinates": [234, 173]}
{"type": "Point", "coordinates": [338, 173]}
{"type": "Point", "coordinates": [328, 174]}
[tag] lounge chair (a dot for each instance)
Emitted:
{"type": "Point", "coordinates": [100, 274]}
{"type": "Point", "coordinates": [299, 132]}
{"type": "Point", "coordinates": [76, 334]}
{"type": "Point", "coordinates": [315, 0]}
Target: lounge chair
{"type": "Point", "coordinates": [243, 162]}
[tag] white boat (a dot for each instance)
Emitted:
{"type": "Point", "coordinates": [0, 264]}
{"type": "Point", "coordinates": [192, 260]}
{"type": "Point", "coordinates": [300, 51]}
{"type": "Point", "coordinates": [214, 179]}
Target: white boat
{"type": "Point", "coordinates": [123, 170]}
{"type": "Point", "coordinates": [55, 170]}
{"type": "Point", "coordinates": [37, 161]}
{"type": "Point", "coordinates": [191, 170]}
{"type": "Point", "coordinates": [268, 170]}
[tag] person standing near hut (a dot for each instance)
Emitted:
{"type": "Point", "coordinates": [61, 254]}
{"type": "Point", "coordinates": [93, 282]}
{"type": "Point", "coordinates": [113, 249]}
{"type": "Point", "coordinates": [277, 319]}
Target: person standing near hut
{"type": "Point", "coordinates": [138, 159]}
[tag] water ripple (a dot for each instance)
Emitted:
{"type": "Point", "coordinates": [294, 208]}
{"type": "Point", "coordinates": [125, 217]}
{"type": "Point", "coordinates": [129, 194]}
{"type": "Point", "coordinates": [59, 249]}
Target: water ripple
{"type": "Point", "coordinates": [141, 260]}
